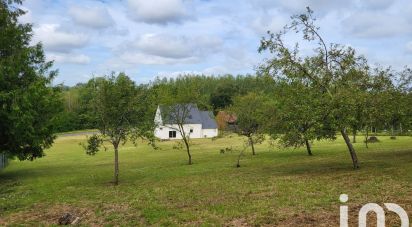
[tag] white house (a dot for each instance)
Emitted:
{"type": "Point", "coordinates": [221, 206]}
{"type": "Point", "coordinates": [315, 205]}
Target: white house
{"type": "Point", "coordinates": [196, 123]}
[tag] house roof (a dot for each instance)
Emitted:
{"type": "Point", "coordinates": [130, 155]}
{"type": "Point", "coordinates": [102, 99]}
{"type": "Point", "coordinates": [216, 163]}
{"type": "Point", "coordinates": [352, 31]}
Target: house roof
{"type": "Point", "coordinates": [193, 116]}
{"type": "Point", "coordinates": [208, 121]}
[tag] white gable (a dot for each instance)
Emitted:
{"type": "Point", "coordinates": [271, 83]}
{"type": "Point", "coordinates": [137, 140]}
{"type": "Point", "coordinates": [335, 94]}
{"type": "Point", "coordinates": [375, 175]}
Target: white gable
{"type": "Point", "coordinates": [170, 131]}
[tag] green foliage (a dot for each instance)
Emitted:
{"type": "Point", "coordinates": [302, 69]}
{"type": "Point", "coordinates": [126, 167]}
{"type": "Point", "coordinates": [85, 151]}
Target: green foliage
{"type": "Point", "coordinates": [121, 114]}
{"type": "Point", "coordinates": [67, 121]}
{"type": "Point", "coordinates": [254, 113]}
{"type": "Point", "coordinates": [334, 71]}
{"type": "Point", "coordinates": [93, 144]}
{"type": "Point", "coordinates": [222, 96]}
{"type": "Point", "coordinates": [301, 116]}
{"type": "Point", "coordinates": [208, 92]}
{"type": "Point", "coordinates": [177, 103]}
{"type": "Point", "coordinates": [120, 110]}
{"type": "Point", "coordinates": [28, 102]}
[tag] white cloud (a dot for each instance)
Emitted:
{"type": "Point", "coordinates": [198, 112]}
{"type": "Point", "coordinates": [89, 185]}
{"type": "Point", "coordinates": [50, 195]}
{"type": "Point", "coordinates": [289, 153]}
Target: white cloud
{"type": "Point", "coordinates": [68, 58]}
{"type": "Point", "coordinates": [268, 22]}
{"type": "Point", "coordinates": [376, 4]}
{"type": "Point", "coordinates": [164, 46]}
{"type": "Point", "coordinates": [328, 5]}
{"type": "Point", "coordinates": [158, 12]}
{"type": "Point", "coordinates": [95, 16]}
{"type": "Point", "coordinates": [409, 46]}
{"type": "Point", "coordinates": [367, 24]}
{"type": "Point", "coordinates": [146, 37]}
{"type": "Point", "coordinates": [216, 70]}
{"type": "Point", "coordinates": [135, 58]}
{"type": "Point", "coordinates": [162, 49]}
{"type": "Point", "coordinates": [299, 6]}
{"type": "Point", "coordinates": [173, 46]}
{"type": "Point", "coordinates": [54, 39]}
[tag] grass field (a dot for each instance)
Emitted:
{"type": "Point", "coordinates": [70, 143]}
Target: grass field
{"type": "Point", "coordinates": [278, 186]}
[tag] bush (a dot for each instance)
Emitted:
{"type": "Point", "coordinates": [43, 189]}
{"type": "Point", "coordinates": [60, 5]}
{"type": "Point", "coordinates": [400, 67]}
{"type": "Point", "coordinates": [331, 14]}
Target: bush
{"type": "Point", "coordinates": [227, 149]}
{"type": "Point", "coordinates": [372, 139]}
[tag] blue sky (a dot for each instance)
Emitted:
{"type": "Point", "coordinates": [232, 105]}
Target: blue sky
{"type": "Point", "coordinates": [149, 38]}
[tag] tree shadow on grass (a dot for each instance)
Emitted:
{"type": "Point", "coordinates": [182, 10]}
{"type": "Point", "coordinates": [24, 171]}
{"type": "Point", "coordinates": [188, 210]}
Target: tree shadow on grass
{"type": "Point", "coordinates": [322, 166]}
{"type": "Point", "coordinates": [50, 172]}
{"type": "Point", "coordinates": [404, 155]}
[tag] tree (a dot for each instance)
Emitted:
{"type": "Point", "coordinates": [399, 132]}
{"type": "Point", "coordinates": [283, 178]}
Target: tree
{"type": "Point", "coordinates": [333, 69]}
{"type": "Point", "coordinates": [121, 114]}
{"type": "Point", "coordinates": [396, 98]}
{"type": "Point", "coordinates": [28, 102]}
{"type": "Point", "coordinates": [177, 104]}
{"type": "Point", "coordinates": [385, 103]}
{"type": "Point", "coordinates": [405, 86]}
{"type": "Point", "coordinates": [254, 112]}
{"type": "Point", "coordinates": [301, 119]}
{"type": "Point", "coordinates": [222, 96]}
{"type": "Point", "coordinates": [178, 115]}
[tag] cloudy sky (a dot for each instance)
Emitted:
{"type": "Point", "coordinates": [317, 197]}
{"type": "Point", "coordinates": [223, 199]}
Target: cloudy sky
{"type": "Point", "coordinates": [149, 38]}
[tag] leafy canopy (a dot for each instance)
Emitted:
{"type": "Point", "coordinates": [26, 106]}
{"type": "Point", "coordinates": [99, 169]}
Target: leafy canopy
{"type": "Point", "coordinates": [120, 110]}
{"type": "Point", "coordinates": [28, 102]}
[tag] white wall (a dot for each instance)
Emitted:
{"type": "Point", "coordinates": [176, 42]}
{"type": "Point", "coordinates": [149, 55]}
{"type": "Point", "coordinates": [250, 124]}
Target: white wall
{"type": "Point", "coordinates": [162, 132]}
{"type": "Point", "coordinates": [158, 117]}
{"type": "Point", "coordinates": [209, 133]}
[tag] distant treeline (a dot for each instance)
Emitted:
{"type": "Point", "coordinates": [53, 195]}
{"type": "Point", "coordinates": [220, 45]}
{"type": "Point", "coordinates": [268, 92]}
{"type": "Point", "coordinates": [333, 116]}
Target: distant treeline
{"type": "Point", "coordinates": [216, 93]}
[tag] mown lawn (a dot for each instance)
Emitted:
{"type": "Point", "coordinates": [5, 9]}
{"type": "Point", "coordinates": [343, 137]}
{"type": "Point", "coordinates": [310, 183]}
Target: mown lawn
{"type": "Point", "coordinates": [278, 186]}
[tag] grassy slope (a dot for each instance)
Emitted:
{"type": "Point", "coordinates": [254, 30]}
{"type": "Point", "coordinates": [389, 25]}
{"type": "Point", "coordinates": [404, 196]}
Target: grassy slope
{"type": "Point", "coordinates": [277, 186]}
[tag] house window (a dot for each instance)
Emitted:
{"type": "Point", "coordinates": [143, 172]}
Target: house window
{"type": "Point", "coordinates": [172, 134]}
{"type": "Point", "coordinates": [191, 130]}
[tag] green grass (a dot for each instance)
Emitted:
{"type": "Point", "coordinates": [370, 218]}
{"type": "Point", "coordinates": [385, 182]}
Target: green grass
{"type": "Point", "coordinates": [276, 187]}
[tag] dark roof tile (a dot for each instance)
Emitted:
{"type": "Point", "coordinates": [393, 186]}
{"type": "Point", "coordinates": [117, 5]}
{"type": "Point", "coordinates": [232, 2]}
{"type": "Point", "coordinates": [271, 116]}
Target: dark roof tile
{"type": "Point", "coordinates": [195, 116]}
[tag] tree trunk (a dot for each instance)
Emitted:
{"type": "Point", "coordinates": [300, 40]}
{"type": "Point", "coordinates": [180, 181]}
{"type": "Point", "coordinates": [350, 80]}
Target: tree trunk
{"type": "Point", "coordinates": [400, 128]}
{"type": "Point", "coordinates": [116, 165]}
{"type": "Point", "coordinates": [238, 159]}
{"type": "Point", "coordinates": [367, 137]}
{"type": "Point", "coordinates": [240, 155]}
{"type": "Point", "coordinates": [251, 144]}
{"type": "Point", "coordinates": [308, 147]}
{"type": "Point", "coordinates": [351, 149]}
{"type": "Point", "coordinates": [185, 140]}
{"type": "Point", "coordinates": [188, 150]}
{"type": "Point", "coordinates": [354, 136]}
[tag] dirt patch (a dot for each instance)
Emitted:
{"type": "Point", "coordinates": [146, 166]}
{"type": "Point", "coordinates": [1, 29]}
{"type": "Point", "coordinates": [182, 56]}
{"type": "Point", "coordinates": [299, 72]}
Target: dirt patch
{"type": "Point", "coordinates": [238, 222]}
{"type": "Point", "coordinates": [319, 219]}
{"type": "Point", "coordinates": [100, 215]}
{"type": "Point", "coordinates": [47, 215]}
